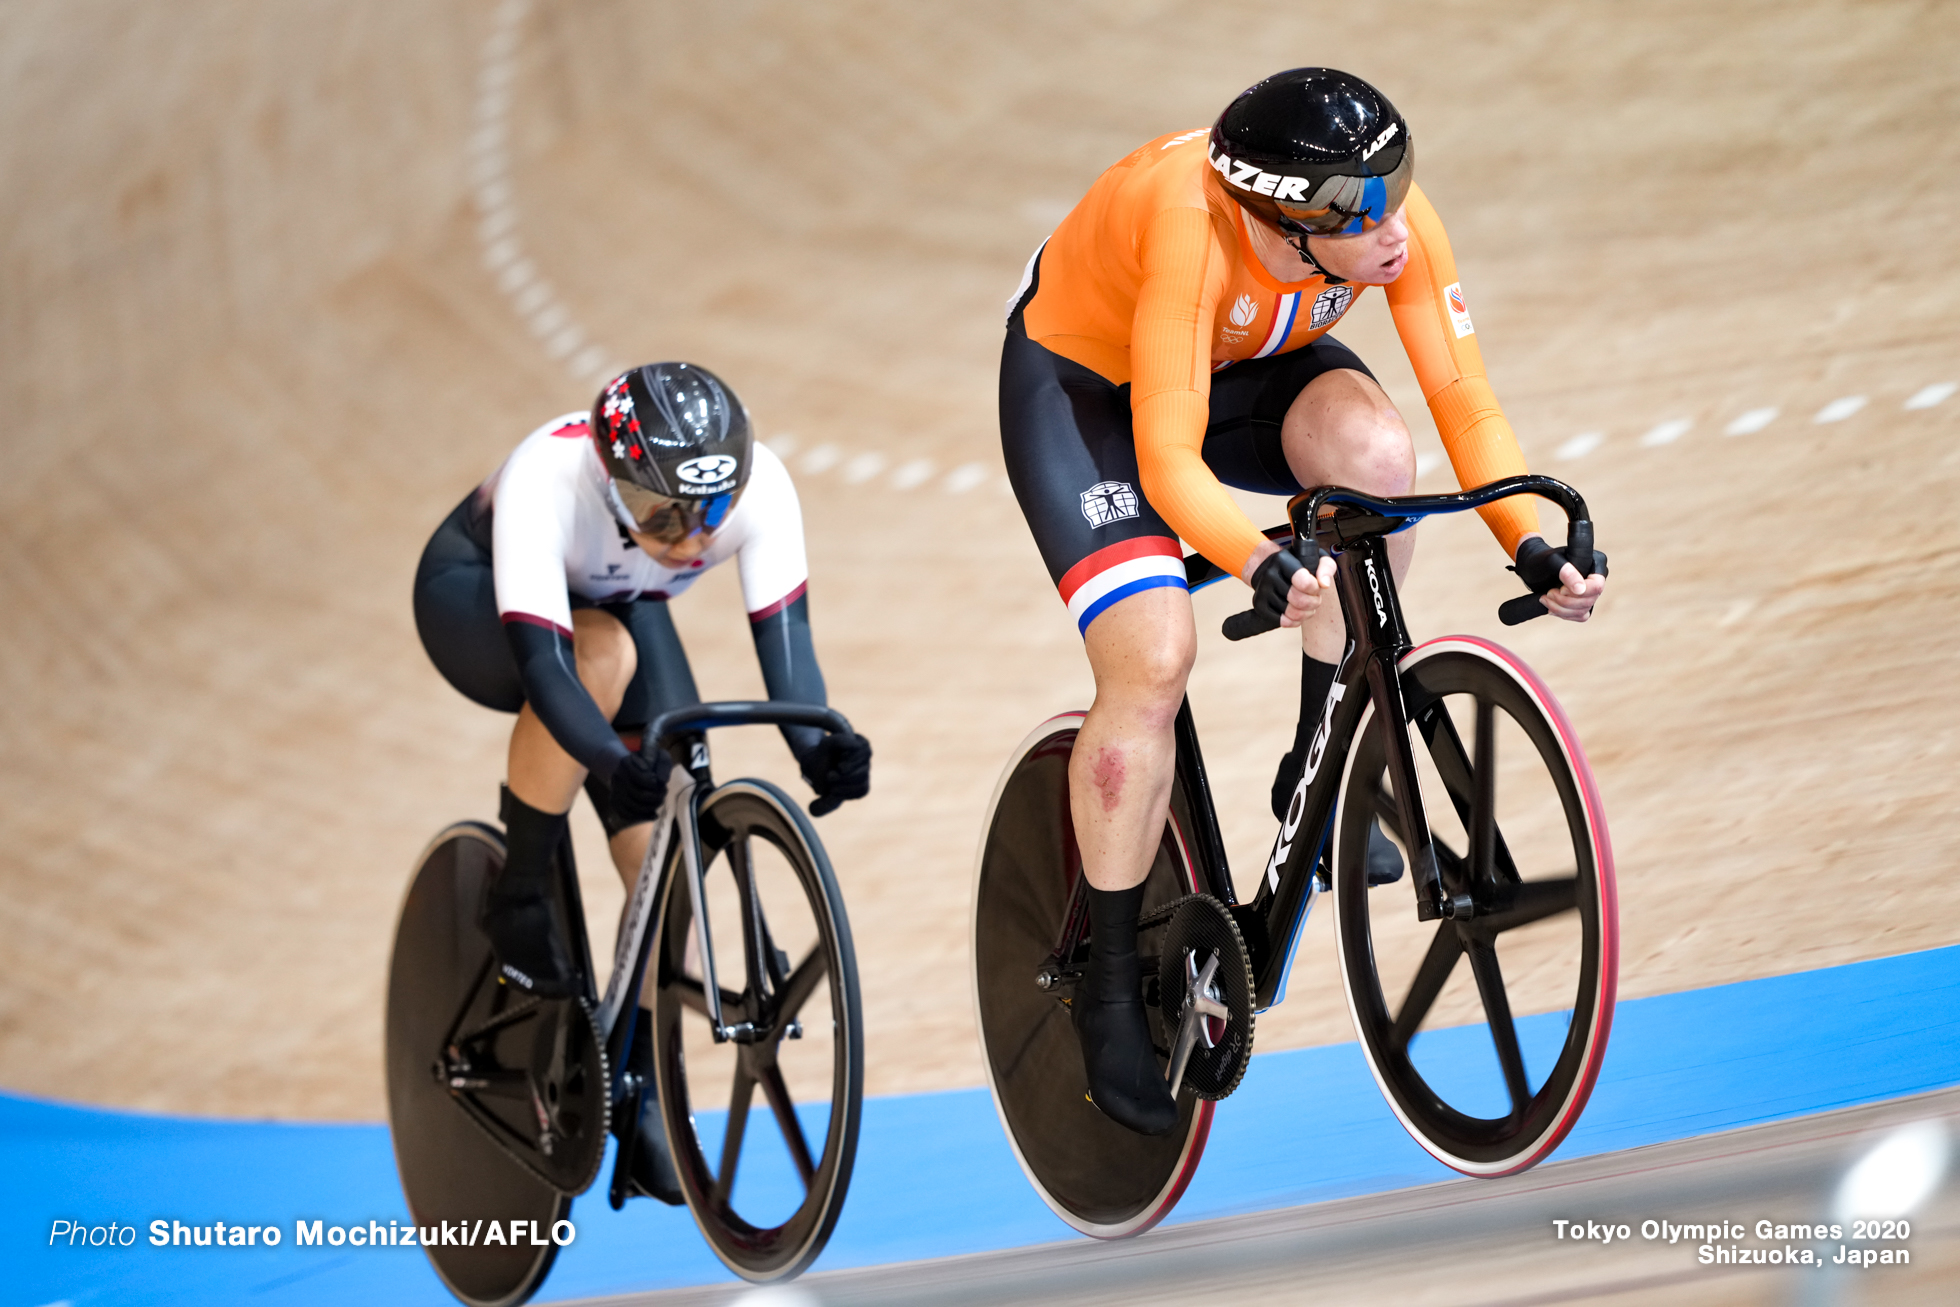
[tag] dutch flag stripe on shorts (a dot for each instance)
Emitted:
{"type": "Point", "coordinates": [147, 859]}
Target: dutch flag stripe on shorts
{"type": "Point", "coordinates": [1118, 571]}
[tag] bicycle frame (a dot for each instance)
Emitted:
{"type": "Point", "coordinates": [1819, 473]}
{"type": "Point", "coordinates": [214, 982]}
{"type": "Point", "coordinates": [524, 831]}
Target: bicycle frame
{"type": "Point", "coordinates": [1368, 672]}
{"type": "Point", "coordinates": [682, 732]}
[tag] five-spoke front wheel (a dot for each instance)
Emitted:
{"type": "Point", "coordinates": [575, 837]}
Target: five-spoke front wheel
{"type": "Point", "coordinates": [1485, 1030]}
{"type": "Point", "coordinates": [764, 1122]}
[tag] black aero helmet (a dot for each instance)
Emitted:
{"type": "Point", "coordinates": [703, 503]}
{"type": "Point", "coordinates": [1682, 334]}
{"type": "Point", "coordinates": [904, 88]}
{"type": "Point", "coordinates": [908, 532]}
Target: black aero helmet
{"type": "Point", "coordinates": [677, 445]}
{"type": "Point", "coordinates": [1315, 152]}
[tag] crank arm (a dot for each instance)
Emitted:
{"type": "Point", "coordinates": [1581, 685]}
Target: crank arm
{"type": "Point", "coordinates": [1197, 1006]}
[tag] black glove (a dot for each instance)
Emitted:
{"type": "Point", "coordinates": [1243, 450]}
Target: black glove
{"type": "Point", "coordinates": [1272, 582]}
{"type": "Point", "coordinates": [1539, 564]}
{"type": "Point", "coordinates": [639, 785]}
{"type": "Point", "coordinates": [838, 768]}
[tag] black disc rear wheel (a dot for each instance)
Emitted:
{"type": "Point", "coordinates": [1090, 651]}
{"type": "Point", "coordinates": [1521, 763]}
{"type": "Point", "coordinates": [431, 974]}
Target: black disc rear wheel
{"type": "Point", "coordinates": [453, 1171]}
{"type": "Point", "coordinates": [1485, 1032]}
{"type": "Point", "coordinates": [1104, 1180]}
{"type": "Point", "coordinates": [764, 1124]}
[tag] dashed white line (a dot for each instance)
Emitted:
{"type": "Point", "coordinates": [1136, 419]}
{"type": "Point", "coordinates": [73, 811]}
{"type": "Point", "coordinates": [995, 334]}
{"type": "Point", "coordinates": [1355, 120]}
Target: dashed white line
{"type": "Point", "coordinates": [913, 474]}
{"type": "Point", "coordinates": [821, 459]}
{"type": "Point", "coordinates": [1579, 446]}
{"type": "Point", "coordinates": [964, 478]}
{"type": "Point", "coordinates": [1666, 433]}
{"type": "Point", "coordinates": [1927, 396]}
{"type": "Point", "coordinates": [1751, 422]}
{"type": "Point", "coordinates": [531, 296]}
{"type": "Point", "coordinates": [865, 466]}
{"type": "Point", "coordinates": [1839, 409]}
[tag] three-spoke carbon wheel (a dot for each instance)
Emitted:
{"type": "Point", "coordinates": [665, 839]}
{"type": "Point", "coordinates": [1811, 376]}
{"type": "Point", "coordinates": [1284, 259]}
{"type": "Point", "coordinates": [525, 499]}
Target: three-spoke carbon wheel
{"type": "Point", "coordinates": [1486, 1031]}
{"type": "Point", "coordinates": [766, 1185]}
{"type": "Point", "coordinates": [454, 1170]}
{"type": "Point", "coordinates": [1104, 1180]}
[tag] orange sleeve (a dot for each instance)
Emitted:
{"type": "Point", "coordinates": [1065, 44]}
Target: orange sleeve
{"type": "Point", "coordinates": [1443, 347]}
{"type": "Point", "coordinates": [1170, 391]}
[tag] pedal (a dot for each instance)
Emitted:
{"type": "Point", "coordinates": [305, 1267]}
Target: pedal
{"type": "Point", "coordinates": [1205, 987]}
{"type": "Point", "coordinates": [622, 1177]}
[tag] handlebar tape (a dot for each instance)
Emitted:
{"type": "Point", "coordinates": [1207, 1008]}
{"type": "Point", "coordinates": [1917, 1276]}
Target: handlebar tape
{"type": "Point", "coordinates": [1513, 612]}
{"type": "Point", "coordinates": [1245, 625]}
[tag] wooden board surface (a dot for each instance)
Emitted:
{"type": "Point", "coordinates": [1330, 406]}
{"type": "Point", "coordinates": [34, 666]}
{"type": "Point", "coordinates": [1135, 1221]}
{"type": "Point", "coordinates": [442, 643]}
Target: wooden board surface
{"type": "Point", "coordinates": [255, 345]}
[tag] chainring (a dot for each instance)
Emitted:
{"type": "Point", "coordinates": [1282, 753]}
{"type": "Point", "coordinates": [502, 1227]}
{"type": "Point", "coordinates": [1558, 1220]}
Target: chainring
{"type": "Point", "coordinates": [535, 1079]}
{"type": "Point", "coordinates": [1200, 928]}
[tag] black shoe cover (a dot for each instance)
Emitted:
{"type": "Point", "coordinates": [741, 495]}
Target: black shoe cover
{"type": "Point", "coordinates": [519, 914]}
{"type": "Point", "coordinates": [1384, 859]}
{"type": "Point", "coordinates": [1284, 782]}
{"type": "Point", "coordinates": [1125, 1080]}
{"type": "Point", "coordinates": [653, 1166]}
{"type": "Point", "coordinates": [529, 942]}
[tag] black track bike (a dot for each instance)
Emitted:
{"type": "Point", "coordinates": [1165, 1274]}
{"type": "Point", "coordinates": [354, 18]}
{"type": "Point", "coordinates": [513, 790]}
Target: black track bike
{"type": "Point", "coordinates": [499, 1103]}
{"type": "Point", "coordinates": [1507, 908]}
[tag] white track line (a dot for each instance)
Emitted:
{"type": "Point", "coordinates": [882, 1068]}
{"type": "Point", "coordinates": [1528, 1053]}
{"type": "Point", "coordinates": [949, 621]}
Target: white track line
{"type": "Point", "coordinates": [1839, 409]}
{"type": "Point", "coordinates": [1751, 422]}
{"type": "Point", "coordinates": [1666, 433]}
{"type": "Point", "coordinates": [531, 295]}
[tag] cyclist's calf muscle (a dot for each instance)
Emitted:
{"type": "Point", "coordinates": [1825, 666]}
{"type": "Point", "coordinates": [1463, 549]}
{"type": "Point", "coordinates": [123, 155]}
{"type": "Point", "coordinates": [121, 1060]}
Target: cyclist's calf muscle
{"type": "Point", "coordinates": [1141, 650]}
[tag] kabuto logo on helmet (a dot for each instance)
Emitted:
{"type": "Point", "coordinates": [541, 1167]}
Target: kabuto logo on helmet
{"type": "Point", "coordinates": [706, 472]}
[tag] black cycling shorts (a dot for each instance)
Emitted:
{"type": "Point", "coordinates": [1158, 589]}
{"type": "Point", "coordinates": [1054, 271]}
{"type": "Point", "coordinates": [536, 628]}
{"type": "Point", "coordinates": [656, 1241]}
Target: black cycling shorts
{"type": "Point", "coordinates": [456, 616]}
{"type": "Point", "coordinates": [1071, 455]}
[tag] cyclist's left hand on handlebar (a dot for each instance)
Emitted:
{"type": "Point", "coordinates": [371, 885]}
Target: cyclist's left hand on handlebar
{"type": "Point", "coordinates": [1556, 582]}
{"type": "Point", "coordinates": [838, 768]}
{"type": "Point", "coordinates": [1286, 590]}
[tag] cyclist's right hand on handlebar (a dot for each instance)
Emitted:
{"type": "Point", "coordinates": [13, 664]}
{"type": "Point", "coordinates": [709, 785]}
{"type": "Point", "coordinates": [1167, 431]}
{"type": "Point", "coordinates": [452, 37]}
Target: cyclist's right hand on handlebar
{"type": "Point", "coordinates": [639, 785]}
{"type": "Point", "coordinates": [838, 768]}
{"type": "Point", "coordinates": [1285, 590]}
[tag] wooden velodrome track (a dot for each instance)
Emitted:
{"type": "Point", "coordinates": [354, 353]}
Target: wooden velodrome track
{"type": "Point", "coordinates": [251, 351]}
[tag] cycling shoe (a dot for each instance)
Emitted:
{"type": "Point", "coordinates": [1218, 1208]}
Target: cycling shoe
{"type": "Point", "coordinates": [529, 941]}
{"type": "Point", "coordinates": [519, 914]}
{"type": "Point", "coordinates": [653, 1166]}
{"type": "Point", "coordinates": [1125, 1081]}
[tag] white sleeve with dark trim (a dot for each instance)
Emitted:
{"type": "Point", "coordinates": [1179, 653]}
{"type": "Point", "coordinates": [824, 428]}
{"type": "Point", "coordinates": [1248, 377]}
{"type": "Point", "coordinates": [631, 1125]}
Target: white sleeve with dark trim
{"type": "Point", "coordinates": [531, 534]}
{"type": "Point", "coordinates": [773, 566]}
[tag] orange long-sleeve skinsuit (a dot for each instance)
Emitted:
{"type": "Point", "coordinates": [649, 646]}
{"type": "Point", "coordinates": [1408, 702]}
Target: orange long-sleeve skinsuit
{"type": "Point", "coordinates": [1152, 281]}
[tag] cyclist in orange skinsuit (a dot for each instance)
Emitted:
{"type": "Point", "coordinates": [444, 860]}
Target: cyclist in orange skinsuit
{"type": "Point", "coordinates": [1172, 335]}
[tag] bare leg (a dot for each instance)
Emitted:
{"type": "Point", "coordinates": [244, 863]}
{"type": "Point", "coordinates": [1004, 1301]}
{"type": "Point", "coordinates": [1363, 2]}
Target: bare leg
{"type": "Point", "coordinates": [519, 914]}
{"type": "Point", "coordinates": [1342, 430]}
{"type": "Point", "coordinates": [1141, 651]}
{"type": "Point", "coordinates": [1120, 776]}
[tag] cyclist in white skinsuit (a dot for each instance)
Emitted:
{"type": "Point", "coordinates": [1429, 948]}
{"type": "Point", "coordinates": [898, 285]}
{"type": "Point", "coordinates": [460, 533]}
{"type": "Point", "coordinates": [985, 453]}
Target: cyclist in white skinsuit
{"type": "Point", "coordinates": [545, 594]}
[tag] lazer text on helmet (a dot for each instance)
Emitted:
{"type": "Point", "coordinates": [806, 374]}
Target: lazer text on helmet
{"type": "Point", "coordinates": [1262, 183]}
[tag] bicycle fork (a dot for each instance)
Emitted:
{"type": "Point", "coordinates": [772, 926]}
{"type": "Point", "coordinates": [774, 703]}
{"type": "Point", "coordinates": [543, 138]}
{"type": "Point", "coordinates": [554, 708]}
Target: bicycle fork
{"type": "Point", "coordinates": [1373, 612]}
